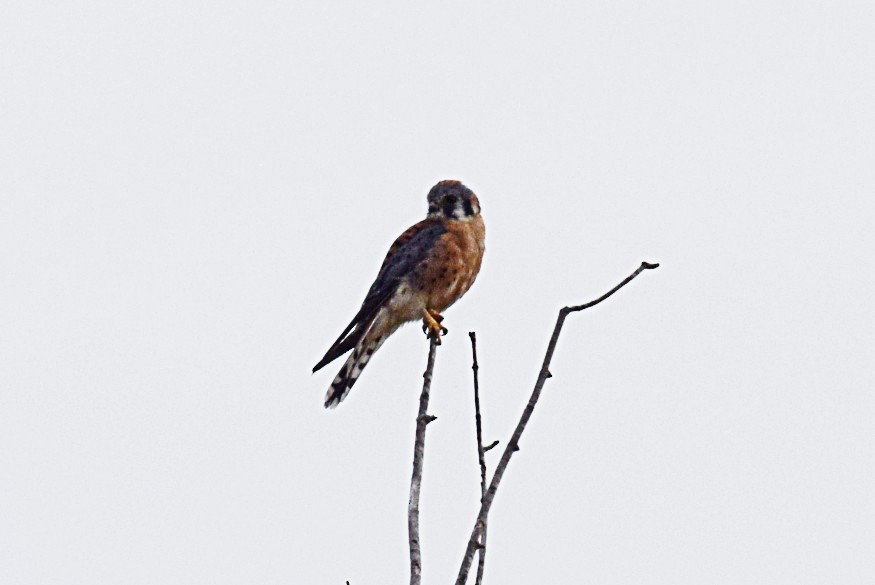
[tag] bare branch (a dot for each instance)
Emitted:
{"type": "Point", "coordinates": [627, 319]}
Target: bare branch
{"type": "Point", "coordinates": [481, 455]}
{"type": "Point", "coordinates": [422, 419]}
{"type": "Point", "coordinates": [512, 446]}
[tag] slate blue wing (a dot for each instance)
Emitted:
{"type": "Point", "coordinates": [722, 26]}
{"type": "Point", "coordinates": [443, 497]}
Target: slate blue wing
{"type": "Point", "coordinates": [408, 250]}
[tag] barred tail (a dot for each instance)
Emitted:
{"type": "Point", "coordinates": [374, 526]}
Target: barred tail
{"type": "Point", "coordinates": [354, 365]}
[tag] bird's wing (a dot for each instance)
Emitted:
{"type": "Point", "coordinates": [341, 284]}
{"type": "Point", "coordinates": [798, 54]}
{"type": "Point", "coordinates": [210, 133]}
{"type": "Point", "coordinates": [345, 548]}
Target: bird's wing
{"type": "Point", "coordinates": [408, 250]}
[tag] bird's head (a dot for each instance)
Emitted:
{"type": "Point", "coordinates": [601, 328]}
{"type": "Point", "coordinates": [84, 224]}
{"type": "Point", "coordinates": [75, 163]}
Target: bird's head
{"type": "Point", "coordinates": [452, 200]}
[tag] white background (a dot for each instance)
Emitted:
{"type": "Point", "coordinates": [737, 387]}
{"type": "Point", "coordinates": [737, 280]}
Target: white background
{"type": "Point", "coordinates": [194, 198]}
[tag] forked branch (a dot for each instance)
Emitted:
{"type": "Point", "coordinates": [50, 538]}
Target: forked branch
{"type": "Point", "coordinates": [512, 445]}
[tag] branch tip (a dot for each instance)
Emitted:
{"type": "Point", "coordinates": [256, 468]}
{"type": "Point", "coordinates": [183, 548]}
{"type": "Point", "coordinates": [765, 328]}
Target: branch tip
{"type": "Point", "coordinates": [490, 446]}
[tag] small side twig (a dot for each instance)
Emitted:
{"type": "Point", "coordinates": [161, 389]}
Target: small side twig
{"type": "Point", "coordinates": [422, 419]}
{"type": "Point", "coordinates": [512, 445]}
{"type": "Point", "coordinates": [481, 455]}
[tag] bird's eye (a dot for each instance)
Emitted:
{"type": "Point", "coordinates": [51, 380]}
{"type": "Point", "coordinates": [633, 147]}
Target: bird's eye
{"type": "Point", "coordinates": [451, 199]}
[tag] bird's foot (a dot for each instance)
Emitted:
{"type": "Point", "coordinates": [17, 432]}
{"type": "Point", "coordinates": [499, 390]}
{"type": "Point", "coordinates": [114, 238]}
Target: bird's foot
{"type": "Point", "coordinates": [431, 325]}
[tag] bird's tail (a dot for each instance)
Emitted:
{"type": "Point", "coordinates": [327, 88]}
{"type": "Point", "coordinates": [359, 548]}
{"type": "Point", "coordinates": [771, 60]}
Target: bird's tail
{"type": "Point", "coordinates": [358, 359]}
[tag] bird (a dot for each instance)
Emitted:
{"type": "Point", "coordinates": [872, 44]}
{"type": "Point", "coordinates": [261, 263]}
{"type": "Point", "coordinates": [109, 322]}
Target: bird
{"type": "Point", "coordinates": [428, 268]}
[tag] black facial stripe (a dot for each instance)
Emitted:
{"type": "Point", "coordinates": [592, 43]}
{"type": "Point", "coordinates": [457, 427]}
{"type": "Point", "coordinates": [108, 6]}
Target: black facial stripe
{"type": "Point", "coordinates": [449, 206]}
{"type": "Point", "coordinates": [469, 209]}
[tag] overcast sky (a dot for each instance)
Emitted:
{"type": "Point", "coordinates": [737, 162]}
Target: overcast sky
{"type": "Point", "coordinates": [195, 197]}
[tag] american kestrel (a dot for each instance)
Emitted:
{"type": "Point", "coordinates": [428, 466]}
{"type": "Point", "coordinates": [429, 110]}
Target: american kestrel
{"type": "Point", "coordinates": [427, 269]}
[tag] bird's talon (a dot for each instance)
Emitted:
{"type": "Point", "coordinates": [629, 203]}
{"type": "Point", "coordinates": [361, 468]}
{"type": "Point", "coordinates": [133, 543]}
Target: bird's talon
{"type": "Point", "coordinates": [433, 334]}
{"type": "Point", "coordinates": [431, 325]}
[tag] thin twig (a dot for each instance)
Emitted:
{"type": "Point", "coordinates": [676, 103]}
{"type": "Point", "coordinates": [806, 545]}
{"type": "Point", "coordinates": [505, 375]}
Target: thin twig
{"type": "Point", "coordinates": [422, 419]}
{"type": "Point", "coordinates": [481, 454]}
{"type": "Point", "coordinates": [511, 446]}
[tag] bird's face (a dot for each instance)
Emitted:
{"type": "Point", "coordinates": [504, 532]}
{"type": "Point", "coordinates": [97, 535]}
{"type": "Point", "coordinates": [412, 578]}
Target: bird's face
{"type": "Point", "coordinates": [452, 200]}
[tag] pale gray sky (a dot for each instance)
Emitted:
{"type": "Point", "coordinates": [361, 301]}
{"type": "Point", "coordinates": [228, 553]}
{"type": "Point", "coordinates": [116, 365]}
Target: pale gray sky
{"type": "Point", "coordinates": [196, 196]}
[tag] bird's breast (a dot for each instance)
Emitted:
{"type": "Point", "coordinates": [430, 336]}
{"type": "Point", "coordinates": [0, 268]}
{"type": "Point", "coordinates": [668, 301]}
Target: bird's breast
{"type": "Point", "coordinates": [452, 265]}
